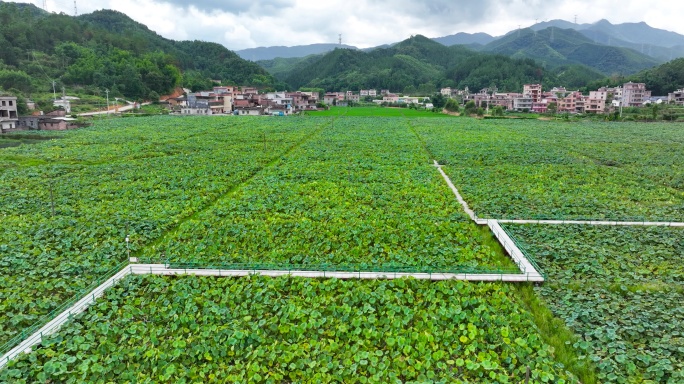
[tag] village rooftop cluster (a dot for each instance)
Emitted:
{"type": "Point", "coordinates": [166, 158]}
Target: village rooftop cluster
{"type": "Point", "coordinates": [561, 100]}
{"type": "Point", "coordinates": [249, 101]}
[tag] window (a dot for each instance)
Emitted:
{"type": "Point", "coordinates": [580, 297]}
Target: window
{"type": "Point", "coordinates": [3, 103]}
{"type": "Point", "coordinates": [10, 103]}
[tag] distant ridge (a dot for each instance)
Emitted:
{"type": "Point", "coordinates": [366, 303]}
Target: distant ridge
{"type": "Point", "coordinates": [270, 53]}
{"type": "Point", "coordinates": [462, 38]}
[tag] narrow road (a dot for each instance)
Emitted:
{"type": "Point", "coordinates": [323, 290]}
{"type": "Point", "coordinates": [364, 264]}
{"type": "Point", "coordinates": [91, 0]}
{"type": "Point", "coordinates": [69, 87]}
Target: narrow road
{"type": "Point", "coordinates": [111, 111]}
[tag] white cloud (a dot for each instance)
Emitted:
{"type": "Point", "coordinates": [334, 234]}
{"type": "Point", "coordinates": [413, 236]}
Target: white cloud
{"type": "Point", "coordinates": [239, 24]}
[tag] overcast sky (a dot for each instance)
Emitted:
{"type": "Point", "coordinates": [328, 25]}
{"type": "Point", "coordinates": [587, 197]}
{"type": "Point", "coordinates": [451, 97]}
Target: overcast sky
{"type": "Point", "coordinates": [240, 24]}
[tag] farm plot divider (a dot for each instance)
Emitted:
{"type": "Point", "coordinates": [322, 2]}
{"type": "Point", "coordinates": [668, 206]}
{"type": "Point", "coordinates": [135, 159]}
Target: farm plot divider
{"type": "Point", "coordinates": [72, 308]}
{"type": "Point", "coordinates": [55, 319]}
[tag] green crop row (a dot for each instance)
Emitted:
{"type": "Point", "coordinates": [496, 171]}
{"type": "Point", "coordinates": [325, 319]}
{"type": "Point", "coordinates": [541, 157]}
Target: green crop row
{"type": "Point", "coordinates": [544, 170]}
{"type": "Point", "coordinates": [256, 329]}
{"type": "Point", "coordinates": [620, 289]}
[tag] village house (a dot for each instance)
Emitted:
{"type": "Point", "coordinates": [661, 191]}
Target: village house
{"type": "Point", "coordinates": [523, 103]}
{"type": "Point", "coordinates": [353, 97]}
{"type": "Point", "coordinates": [8, 113]}
{"type": "Point", "coordinates": [570, 102]}
{"type": "Point", "coordinates": [504, 100]}
{"type": "Point", "coordinates": [634, 94]}
{"type": "Point", "coordinates": [532, 91]}
{"type": "Point", "coordinates": [250, 111]}
{"type": "Point", "coordinates": [63, 103]}
{"type": "Point", "coordinates": [676, 97]}
{"type": "Point", "coordinates": [303, 101]}
{"type": "Point", "coordinates": [596, 102]}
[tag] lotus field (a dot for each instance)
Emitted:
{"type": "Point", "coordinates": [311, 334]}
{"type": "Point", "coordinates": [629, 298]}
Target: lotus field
{"type": "Point", "coordinates": [105, 183]}
{"type": "Point", "coordinates": [509, 169]}
{"type": "Point", "coordinates": [355, 193]}
{"type": "Point", "coordinates": [357, 196]}
{"type": "Point", "coordinates": [621, 290]}
{"type": "Point", "coordinates": [257, 329]}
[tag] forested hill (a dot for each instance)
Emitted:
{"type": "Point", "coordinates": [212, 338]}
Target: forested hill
{"type": "Point", "coordinates": [107, 49]}
{"type": "Point", "coordinates": [661, 80]}
{"type": "Point", "coordinates": [420, 64]}
{"type": "Point", "coordinates": [556, 47]}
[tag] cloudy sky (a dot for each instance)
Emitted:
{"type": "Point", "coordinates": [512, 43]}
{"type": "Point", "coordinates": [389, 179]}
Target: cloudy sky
{"type": "Point", "coordinates": [240, 24]}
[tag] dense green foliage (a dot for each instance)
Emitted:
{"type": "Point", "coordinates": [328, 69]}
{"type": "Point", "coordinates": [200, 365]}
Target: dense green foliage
{"type": "Point", "coordinates": [256, 329]}
{"type": "Point", "coordinates": [555, 47]}
{"type": "Point", "coordinates": [362, 191]}
{"type": "Point", "coordinates": [661, 80]}
{"type": "Point", "coordinates": [106, 49]}
{"type": "Point", "coordinates": [620, 289]}
{"type": "Point", "coordinates": [549, 170]}
{"type": "Point", "coordinates": [158, 172]}
{"type": "Point", "coordinates": [280, 67]}
{"type": "Point", "coordinates": [419, 63]}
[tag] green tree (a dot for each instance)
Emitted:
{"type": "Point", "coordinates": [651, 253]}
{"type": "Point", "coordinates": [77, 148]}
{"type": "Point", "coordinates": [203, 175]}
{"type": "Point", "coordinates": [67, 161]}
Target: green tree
{"type": "Point", "coordinates": [470, 108]}
{"type": "Point", "coordinates": [154, 97]}
{"type": "Point", "coordinates": [452, 106]}
{"type": "Point", "coordinates": [438, 100]}
{"type": "Point", "coordinates": [552, 108]}
{"type": "Point", "coordinates": [18, 80]}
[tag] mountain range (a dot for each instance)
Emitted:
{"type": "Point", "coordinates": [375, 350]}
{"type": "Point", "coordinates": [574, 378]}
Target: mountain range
{"type": "Point", "coordinates": [108, 50]}
{"type": "Point", "coordinates": [657, 43]}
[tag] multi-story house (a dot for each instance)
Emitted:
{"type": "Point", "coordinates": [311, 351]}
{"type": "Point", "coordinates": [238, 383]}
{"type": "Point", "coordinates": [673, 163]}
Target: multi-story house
{"type": "Point", "coordinates": [8, 113]}
{"type": "Point", "coordinates": [533, 91]}
{"type": "Point", "coordinates": [634, 94]}
{"type": "Point", "coordinates": [596, 102]}
{"type": "Point", "coordinates": [523, 103]}
{"type": "Point", "coordinates": [676, 97]}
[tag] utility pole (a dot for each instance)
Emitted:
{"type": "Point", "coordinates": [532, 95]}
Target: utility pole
{"type": "Point", "coordinates": [54, 92]}
{"type": "Point", "coordinates": [107, 91]}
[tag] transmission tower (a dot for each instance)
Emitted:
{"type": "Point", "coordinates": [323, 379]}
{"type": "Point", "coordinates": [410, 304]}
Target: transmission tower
{"type": "Point", "coordinates": [340, 39]}
{"type": "Point", "coordinates": [45, 5]}
{"type": "Point", "coordinates": [75, 9]}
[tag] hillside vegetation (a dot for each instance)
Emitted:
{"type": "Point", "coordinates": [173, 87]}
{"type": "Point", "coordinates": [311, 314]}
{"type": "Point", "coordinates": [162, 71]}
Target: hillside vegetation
{"type": "Point", "coordinates": [419, 64]}
{"type": "Point", "coordinates": [107, 49]}
{"type": "Point", "coordinates": [557, 47]}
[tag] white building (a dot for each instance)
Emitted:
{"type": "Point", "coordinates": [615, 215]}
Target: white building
{"type": "Point", "coordinates": [63, 103]}
{"type": "Point", "coordinates": [8, 113]}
